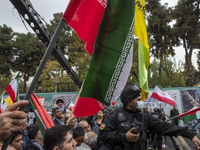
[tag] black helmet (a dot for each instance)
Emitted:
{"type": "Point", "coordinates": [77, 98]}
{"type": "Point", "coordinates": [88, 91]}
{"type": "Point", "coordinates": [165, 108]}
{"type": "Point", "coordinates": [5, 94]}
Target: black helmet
{"type": "Point", "coordinates": [129, 93]}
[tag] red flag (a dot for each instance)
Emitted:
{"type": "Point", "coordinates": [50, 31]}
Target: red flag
{"type": "Point", "coordinates": [87, 107]}
{"type": "Point", "coordinates": [85, 16]}
{"type": "Point", "coordinates": [190, 112]}
{"type": "Point", "coordinates": [162, 96]}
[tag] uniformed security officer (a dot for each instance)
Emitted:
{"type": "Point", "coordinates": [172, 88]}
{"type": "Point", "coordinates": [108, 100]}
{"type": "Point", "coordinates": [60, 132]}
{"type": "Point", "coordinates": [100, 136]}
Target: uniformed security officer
{"type": "Point", "coordinates": [125, 128]}
{"type": "Point", "coordinates": [157, 137]}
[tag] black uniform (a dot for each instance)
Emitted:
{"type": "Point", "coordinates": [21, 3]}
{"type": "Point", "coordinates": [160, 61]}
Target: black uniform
{"type": "Point", "coordinates": [121, 120]}
{"type": "Point", "coordinates": [158, 144]}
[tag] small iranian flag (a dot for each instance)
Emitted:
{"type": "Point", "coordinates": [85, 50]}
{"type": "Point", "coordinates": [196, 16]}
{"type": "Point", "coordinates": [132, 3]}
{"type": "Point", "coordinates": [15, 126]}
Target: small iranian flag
{"type": "Point", "coordinates": [162, 96]}
{"type": "Point", "coordinates": [43, 119]}
{"type": "Point", "coordinates": [12, 89]}
{"type": "Point", "coordinates": [112, 55]}
{"type": "Point", "coordinates": [193, 114]}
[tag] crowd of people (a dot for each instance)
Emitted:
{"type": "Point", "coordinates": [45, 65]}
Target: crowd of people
{"type": "Point", "coordinates": [123, 128]}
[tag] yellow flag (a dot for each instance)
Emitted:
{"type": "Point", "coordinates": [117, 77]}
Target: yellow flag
{"type": "Point", "coordinates": [140, 31]}
{"type": "Point", "coordinates": [8, 101]}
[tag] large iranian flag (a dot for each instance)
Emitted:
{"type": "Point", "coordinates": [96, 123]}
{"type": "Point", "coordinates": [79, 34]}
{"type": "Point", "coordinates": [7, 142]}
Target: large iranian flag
{"type": "Point", "coordinates": [112, 55]}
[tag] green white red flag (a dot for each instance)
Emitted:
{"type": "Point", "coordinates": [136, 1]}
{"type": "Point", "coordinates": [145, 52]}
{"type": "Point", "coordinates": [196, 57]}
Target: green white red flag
{"type": "Point", "coordinates": [43, 119]}
{"type": "Point", "coordinates": [112, 55]}
{"type": "Point", "coordinates": [193, 114]}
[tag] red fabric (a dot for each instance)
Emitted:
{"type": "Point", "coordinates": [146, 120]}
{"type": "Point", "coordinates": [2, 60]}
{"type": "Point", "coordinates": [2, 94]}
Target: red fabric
{"type": "Point", "coordinates": [85, 16]}
{"type": "Point", "coordinates": [11, 93]}
{"type": "Point", "coordinates": [163, 99]}
{"type": "Point", "coordinates": [87, 107]}
{"type": "Point", "coordinates": [113, 103]}
{"type": "Point", "coordinates": [191, 112]}
{"type": "Point", "coordinates": [42, 112]}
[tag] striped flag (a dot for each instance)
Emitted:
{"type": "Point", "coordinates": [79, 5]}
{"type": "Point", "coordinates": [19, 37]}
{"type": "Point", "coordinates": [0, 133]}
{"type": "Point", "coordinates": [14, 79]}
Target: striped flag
{"type": "Point", "coordinates": [193, 114]}
{"type": "Point", "coordinates": [112, 55]}
{"type": "Point", "coordinates": [143, 47]}
{"type": "Point", "coordinates": [43, 119]}
{"type": "Point", "coordinates": [12, 89]}
{"type": "Point", "coordinates": [162, 96]}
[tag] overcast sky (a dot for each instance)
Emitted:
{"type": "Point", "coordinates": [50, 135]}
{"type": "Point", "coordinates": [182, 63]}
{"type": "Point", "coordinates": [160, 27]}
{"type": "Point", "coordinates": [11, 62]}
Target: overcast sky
{"type": "Point", "coordinates": [46, 8]}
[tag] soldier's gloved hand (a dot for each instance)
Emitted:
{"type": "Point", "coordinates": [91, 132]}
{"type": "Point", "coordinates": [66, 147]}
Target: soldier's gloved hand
{"type": "Point", "coordinates": [130, 137]}
{"type": "Point", "coordinates": [196, 141]}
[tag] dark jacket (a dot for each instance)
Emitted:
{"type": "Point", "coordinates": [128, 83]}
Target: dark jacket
{"type": "Point", "coordinates": [32, 145]}
{"type": "Point", "coordinates": [173, 113]}
{"type": "Point", "coordinates": [56, 122]}
{"type": "Point", "coordinates": [121, 120]}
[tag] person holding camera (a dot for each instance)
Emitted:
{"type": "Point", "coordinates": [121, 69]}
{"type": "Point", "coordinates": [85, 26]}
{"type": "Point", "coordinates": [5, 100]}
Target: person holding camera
{"type": "Point", "coordinates": [125, 128]}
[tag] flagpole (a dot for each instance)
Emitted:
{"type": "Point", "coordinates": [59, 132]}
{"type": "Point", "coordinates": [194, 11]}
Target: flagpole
{"type": "Point", "coordinates": [172, 118]}
{"type": "Point", "coordinates": [74, 105]}
{"type": "Point", "coordinates": [3, 93]}
{"type": "Point", "coordinates": [185, 113]}
{"type": "Point", "coordinates": [45, 58]}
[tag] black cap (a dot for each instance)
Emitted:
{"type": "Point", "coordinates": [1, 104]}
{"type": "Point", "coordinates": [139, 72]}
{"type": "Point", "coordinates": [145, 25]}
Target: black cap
{"type": "Point", "coordinates": [129, 93]}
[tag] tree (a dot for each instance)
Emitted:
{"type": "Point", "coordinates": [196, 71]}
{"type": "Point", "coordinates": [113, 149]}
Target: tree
{"type": "Point", "coordinates": [27, 55]}
{"type": "Point", "coordinates": [198, 72]}
{"type": "Point", "coordinates": [78, 56]}
{"type": "Point", "coordinates": [171, 76]}
{"type": "Point", "coordinates": [160, 32]}
{"type": "Point", "coordinates": [65, 36]}
{"type": "Point", "coordinates": [186, 14]}
{"type": "Point", "coordinates": [73, 47]}
{"type": "Point", "coordinates": [48, 77]}
{"type": "Point", "coordinates": [6, 55]}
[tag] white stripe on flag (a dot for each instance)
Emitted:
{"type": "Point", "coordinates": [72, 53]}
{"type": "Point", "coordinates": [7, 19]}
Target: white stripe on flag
{"type": "Point", "coordinates": [36, 112]}
{"type": "Point", "coordinates": [14, 86]}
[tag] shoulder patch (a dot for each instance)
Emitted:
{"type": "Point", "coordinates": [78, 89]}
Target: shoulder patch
{"type": "Point", "coordinates": [102, 126]}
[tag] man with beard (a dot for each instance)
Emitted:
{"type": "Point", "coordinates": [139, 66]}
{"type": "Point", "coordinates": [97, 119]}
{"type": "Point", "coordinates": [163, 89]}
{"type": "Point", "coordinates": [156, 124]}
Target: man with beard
{"type": "Point", "coordinates": [35, 138]}
{"type": "Point", "coordinates": [58, 116]}
{"type": "Point", "coordinates": [125, 128]}
{"type": "Point", "coordinates": [61, 105]}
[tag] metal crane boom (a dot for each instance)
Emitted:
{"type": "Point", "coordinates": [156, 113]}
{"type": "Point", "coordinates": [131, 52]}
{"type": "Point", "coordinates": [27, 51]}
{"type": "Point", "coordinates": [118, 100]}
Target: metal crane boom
{"type": "Point", "coordinates": [25, 8]}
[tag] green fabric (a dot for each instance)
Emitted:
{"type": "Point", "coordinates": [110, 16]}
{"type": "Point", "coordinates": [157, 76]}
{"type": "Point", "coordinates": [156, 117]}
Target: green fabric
{"type": "Point", "coordinates": [112, 36]}
{"type": "Point", "coordinates": [188, 118]}
{"type": "Point", "coordinates": [143, 55]}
